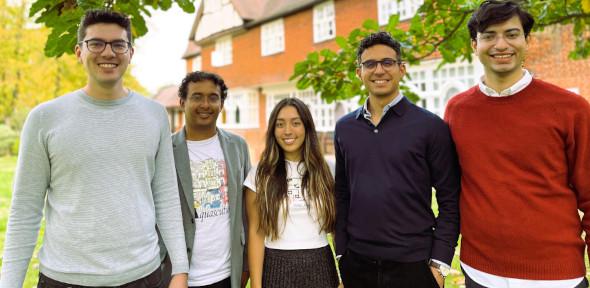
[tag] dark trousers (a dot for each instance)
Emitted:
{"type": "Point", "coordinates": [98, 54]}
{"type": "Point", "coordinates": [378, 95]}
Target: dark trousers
{"type": "Point", "coordinates": [359, 271]}
{"type": "Point", "coordinates": [153, 280]}
{"type": "Point", "coordinates": [469, 283]}
{"type": "Point", "coordinates": [225, 283]}
{"type": "Point", "coordinates": [166, 269]}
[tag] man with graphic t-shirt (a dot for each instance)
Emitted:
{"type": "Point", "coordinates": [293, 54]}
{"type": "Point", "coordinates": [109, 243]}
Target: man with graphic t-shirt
{"type": "Point", "coordinates": [211, 165]}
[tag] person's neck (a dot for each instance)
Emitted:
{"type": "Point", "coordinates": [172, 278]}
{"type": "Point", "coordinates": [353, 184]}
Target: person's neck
{"type": "Point", "coordinates": [293, 157]}
{"type": "Point", "coordinates": [199, 134]}
{"type": "Point", "coordinates": [105, 93]}
{"type": "Point", "coordinates": [377, 103]}
{"type": "Point", "coordinates": [502, 82]}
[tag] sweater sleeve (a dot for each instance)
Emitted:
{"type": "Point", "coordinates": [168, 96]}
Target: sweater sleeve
{"type": "Point", "coordinates": [578, 155]}
{"type": "Point", "coordinates": [342, 198]}
{"type": "Point", "coordinates": [445, 177]}
{"type": "Point", "coordinates": [28, 199]}
{"type": "Point", "coordinates": [167, 201]}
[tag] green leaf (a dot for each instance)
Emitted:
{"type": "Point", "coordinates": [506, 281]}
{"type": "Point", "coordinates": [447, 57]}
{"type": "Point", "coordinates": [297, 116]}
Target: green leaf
{"type": "Point", "coordinates": [313, 57]}
{"type": "Point", "coordinates": [371, 25]}
{"type": "Point", "coordinates": [392, 22]}
{"type": "Point", "coordinates": [300, 68]}
{"type": "Point", "coordinates": [341, 41]}
{"type": "Point", "coordinates": [165, 4]}
{"type": "Point", "coordinates": [186, 5]}
{"type": "Point", "coordinates": [39, 5]}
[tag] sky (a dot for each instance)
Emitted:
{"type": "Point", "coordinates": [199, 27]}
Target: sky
{"type": "Point", "coordinates": [157, 60]}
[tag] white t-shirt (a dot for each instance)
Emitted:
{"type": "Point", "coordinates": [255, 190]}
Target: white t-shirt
{"type": "Point", "coordinates": [210, 261]}
{"type": "Point", "coordinates": [301, 230]}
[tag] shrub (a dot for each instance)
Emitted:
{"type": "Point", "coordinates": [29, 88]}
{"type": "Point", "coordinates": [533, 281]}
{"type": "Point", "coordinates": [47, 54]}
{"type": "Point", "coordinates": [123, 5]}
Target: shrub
{"type": "Point", "coordinates": [8, 140]}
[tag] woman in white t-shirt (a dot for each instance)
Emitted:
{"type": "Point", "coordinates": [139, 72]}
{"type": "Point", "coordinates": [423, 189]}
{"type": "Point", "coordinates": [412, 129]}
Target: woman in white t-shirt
{"type": "Point", "coordinates": [290, 205]}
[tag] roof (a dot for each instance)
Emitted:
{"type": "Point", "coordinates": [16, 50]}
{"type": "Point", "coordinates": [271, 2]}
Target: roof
{"type": "Point", "coordinates": [253, 13]}
{"type": "Point", "coordinates": [279, 8]}
{"type": "Point", "coordinates": [168, 96]}
{"type": "Point", "coordinates": [249, 9]}
{"type": "Point", "coordinates": [192, 49]}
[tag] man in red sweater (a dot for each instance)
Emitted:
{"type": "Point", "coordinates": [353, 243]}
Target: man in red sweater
{"type": "Point", "coordinates": [524, 150]}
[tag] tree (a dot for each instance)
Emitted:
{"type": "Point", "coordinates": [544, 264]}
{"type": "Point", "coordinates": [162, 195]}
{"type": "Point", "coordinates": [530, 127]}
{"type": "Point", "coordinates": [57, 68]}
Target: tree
{"type": "Point", "coordinates": [63, 18]}
{"type": "Point", "coordinates": [27, 77]}
{"type": "Point", "coordinates": [439, 28]}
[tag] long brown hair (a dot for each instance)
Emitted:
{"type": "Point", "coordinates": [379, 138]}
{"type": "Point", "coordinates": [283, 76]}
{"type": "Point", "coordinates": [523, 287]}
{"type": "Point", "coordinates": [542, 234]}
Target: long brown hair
{"type": "Point", "coordinates": [271, 176]}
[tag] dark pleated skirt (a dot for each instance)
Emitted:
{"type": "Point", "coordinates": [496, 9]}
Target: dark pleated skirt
{"type": "Point", "coordinates": [306, 268]}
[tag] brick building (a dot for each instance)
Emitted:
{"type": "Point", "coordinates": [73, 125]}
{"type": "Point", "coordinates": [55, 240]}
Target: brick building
{"type": "Point", "coordinates": [254, 45]}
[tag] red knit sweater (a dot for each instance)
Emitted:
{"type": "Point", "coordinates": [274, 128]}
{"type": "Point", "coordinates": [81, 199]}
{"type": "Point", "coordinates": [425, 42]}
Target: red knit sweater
{"type": "Point", "coordinates": [525, 162]}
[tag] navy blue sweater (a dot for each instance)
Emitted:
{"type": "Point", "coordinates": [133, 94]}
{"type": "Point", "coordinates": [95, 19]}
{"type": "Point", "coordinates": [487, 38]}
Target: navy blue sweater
{"type": "Point", "coordinates": [384, 180]}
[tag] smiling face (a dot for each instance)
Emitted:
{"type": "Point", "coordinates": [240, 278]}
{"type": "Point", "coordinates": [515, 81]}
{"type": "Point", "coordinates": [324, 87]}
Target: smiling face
{"type": "Point", "coordinates": [201, 108]}
{"type": "Point", "coordinates": [105, 69]}
{"type": "Point", "coordinates": [289, 132]}
{"type": "Point", "coordinates": [501, 49]}
{"type": "Point", "coordinates": [381, 82]}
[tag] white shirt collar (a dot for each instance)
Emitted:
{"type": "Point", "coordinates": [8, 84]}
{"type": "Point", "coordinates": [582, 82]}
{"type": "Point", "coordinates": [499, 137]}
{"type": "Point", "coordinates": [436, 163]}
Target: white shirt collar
{"type": "Point", "coordinates": [393, 102]}
{"type": "Point", "coordinates": [526, 79]}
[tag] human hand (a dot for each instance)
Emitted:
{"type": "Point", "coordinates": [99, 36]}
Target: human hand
{"type": "Point", "coordinates": [439, 279]}
{"type": "Point", "coordinates": [341, 285]}
{"type": "Point", "coordinates": [179, 281]}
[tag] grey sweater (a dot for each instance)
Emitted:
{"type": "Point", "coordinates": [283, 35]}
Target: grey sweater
{"type": "Point", "coordinates": [104, 172]}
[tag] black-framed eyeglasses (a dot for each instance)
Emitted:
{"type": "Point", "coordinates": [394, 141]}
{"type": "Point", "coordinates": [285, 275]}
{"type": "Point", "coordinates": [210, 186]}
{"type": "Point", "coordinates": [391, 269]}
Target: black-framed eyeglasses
{"type": "Point", "coordinates": [98, 45]}
{"type": "Point", "coordinates": [386, 63]}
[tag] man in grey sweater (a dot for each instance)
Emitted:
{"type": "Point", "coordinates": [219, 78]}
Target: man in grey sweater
{"type": "Point", "coordinates": [99, 161]}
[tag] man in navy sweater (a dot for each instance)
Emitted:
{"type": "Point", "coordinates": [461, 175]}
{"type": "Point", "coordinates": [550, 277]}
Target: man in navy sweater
{"type": "Point", "coordinates": [389, 155]}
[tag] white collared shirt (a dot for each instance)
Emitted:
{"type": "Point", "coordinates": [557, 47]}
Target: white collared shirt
{"type": "Point", "coordinates": [490, 280]}
{"type": "Point", "coordinates": [526, 79]}
{"type": "Point", "coordinates": [367, 114]}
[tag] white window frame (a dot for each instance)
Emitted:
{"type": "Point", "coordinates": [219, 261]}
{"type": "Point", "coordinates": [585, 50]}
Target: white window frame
{"type": "Point", "coordinates": [434, 85]}
{"type": "Point", "coordinates": [323, 113]}
{"type": "Point", "coordinates": [272, 37]}
{"type": "Point", "coordinates": [244, 100]}
{"type": "Point", "coordinates": [405, 8]}
{"type": "Point", "coordinates": [324, 21]}
{"type": "Point", "coordinates": [197, 63]}
{"type": "Point", "coordinates": [222, 55]}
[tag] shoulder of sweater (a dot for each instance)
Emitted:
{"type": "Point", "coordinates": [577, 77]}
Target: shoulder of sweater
{"type": "Point", "coordinates": [422, 114]}
{"type": "Point", "coordinates": [559, 96]}
{"type": "Point", "coordinates": [57, 105]}
{"type": "Point", "coordinates": [463, 96]}
{"type": "Point", "coordinates": [348, 117]}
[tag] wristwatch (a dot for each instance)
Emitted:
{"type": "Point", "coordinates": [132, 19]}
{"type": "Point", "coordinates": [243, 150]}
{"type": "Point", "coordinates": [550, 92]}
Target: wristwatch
{"type": "Point", "coordinates": [442, 269]}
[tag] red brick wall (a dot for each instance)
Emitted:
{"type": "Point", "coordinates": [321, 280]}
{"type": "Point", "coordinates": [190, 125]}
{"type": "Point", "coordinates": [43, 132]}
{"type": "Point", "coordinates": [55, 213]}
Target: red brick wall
{"type": "Point", "coordinates": [249, 68]}
{"type": "Point", "coordinates": [548, 59]}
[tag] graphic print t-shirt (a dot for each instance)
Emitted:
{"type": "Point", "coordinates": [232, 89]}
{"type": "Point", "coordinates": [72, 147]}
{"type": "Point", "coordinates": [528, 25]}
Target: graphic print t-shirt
{"type": "Point", "coordinates": [301, 230]}
{"type": "Point", "coordinates": [210, 261]}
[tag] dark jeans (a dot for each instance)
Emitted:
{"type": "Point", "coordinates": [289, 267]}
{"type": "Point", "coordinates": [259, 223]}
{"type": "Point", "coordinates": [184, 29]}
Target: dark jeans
{"type": "Point", "coordinates": [166, 269]}
{"type": "Point", "coordinates": [153, 280]}
{"type": "Point", "coordinates": [359, 271]}
{"type": "Point", "coordinates": [225, 283]}
{"type": "Point", "coordinates": [469, 283]}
